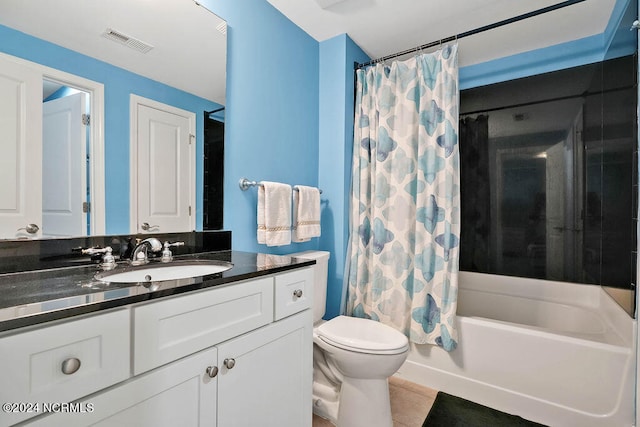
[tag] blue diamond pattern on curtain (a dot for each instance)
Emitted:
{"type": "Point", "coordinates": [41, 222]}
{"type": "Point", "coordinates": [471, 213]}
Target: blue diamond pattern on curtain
{"type": "Point", "coordinates": [405, 197]}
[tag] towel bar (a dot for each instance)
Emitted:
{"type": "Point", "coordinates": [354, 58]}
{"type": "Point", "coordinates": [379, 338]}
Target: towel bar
{"type": "Point", "coordinates": [245, 184]}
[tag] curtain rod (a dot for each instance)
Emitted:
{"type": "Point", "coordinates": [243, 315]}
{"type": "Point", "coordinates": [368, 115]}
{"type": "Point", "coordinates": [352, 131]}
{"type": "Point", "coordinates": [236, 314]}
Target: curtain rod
{"type": "Point", "coordinates": [208, 113]}
{"type": "Point", "coordinates": [475, 31]}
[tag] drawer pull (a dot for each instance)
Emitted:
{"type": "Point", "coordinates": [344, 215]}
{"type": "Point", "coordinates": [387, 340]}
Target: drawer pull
{"type": "Point", "coordinates": [70, 366]}
{"type": "Point", "coordinates": [229, 363]}
{"type": "Point", "coordinates": [212, 371]}
{"type": "Point", "coordinates": [297, 293]}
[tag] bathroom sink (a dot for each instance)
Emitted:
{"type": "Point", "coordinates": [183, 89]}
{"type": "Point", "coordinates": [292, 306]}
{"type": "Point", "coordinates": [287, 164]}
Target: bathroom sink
{"type": "Point", "coordinates": [159, 272]}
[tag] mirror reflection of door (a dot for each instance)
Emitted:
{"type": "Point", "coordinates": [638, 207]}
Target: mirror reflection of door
{"type": "Point", "coordinates": [65, 203]}
{"type": "Point", "coordinates": [555, 213]}
{"type": "Point", "coordinates": [163, 167]}
{"type": "Point", "coordinates": [58, 177]}
{"type": "Point", "coordinates": [20, 151]}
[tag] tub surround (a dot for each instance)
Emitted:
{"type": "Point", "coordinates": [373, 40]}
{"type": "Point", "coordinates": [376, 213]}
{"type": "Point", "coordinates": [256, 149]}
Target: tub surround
{"type": "Point", "coordinates": [552, 352]}
{"type": "Point", "coordinates": [48, 282]}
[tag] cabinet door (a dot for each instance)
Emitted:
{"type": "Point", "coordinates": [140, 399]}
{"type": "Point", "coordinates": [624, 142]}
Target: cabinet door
{"type": "Point", "coordinates": [269, 381]}
{"type": "Point", "coordinates": [179, 394]}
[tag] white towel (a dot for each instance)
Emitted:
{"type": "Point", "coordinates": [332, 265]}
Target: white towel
{"type": "Point", "coordinates": [274, 214]}
{"type": "Point", "coordinates": [306, 213]}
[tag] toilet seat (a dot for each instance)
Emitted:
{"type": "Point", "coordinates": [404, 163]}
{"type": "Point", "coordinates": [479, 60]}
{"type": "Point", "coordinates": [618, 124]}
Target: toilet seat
{"type": "Point", "coordinates": [362, 336]}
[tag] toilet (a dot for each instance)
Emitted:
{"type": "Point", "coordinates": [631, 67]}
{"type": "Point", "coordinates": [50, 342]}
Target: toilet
{"type": "Point", "coordinates": [352, 361]}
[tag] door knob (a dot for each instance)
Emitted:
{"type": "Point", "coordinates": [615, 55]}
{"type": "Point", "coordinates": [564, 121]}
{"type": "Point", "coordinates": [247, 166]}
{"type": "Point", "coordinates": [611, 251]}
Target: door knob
{"type": "Point", "coordinates": [31, 228]}
{"type": "Point", "coordinates": [146, 227]}
{"type": "Point", "coordinates": [297, 293]}
{"type": "Point", "coordinates": [229, 363]}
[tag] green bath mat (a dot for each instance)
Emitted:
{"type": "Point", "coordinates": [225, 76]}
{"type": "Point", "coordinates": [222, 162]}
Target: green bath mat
{"type": "Point", "coordinates": [452, 411]}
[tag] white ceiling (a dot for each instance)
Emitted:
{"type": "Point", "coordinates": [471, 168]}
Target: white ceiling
{"type": "Point", "coordinates": [188, 52]}
{"type": "Point", "coordinates": [384, 27]}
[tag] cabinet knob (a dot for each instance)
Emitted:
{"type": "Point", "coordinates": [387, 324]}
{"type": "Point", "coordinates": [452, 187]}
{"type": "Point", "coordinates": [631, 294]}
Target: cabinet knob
{"type": "Point", "coordinates": [297, 293]}
{"type": "Point", "coordinates": [212, 371]}
{"type": "Point", "coordinates": [229, 363]}
{"type": "Point", "coordinates": [70, 366]}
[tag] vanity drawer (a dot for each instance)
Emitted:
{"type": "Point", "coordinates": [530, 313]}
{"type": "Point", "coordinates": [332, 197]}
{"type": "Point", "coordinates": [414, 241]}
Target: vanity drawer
{"type": "Point", "coordinates": [293, 292]}
{"type": "Point", "coordinates": [175, 327]}
{"type": "Point", "coordinates": [32, 363]}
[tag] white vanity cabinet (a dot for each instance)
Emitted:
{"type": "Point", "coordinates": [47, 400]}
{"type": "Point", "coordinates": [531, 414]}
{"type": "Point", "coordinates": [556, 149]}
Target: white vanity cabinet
{"type": "Point", "coordinates": [215, 357]}
{"type": "Point", "coordinates": [61, 363]}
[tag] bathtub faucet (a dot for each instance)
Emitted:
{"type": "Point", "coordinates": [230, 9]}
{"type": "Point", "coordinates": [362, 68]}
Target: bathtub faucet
{"type": "Point", "coordinates": [140, 255]}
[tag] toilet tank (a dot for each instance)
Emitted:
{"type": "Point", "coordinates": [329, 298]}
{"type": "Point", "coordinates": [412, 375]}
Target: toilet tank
{"type": "Point", "coordinates": [320, 280]}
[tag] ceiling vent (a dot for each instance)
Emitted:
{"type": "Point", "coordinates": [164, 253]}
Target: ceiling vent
{"type": "Point", "coordinates": [126, 40]}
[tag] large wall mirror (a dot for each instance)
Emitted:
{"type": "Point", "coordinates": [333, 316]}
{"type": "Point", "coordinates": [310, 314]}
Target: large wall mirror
{"type": "Point", "coordinates": [91, 57]}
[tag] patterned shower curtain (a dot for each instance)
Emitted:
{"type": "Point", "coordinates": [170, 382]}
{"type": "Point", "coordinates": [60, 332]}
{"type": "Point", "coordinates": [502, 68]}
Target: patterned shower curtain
{"type": "Point", "coordinates": [405, 199]}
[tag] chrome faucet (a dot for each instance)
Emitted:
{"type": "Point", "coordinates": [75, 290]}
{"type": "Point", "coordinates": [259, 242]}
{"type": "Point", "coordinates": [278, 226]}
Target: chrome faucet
{"type": "Point", "coordinates": [108, 260]}
{"type": "Point", "coordinates": [140, 252]}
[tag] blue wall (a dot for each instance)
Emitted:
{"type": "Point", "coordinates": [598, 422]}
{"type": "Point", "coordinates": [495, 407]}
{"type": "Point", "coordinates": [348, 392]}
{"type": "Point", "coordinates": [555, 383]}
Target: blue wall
{"type": "Point", "coordinates": [271, 127]}
{"type": "Point", "coordinates": [337, 57]}
{"type": "Point", "coordinates": [289, 116]}
{"type": "Point", "coordinates": [118, 85]}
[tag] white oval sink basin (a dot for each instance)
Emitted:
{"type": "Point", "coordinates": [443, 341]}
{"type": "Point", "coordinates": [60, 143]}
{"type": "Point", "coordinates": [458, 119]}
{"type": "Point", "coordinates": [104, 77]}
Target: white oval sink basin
{"type": "Point", "coordinates": [175, 270]}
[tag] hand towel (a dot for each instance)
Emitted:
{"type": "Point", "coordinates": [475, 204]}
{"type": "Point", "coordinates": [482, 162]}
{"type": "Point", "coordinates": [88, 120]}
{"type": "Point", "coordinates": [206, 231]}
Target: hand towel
{"type": "Point", "coordinates": [274, 214]}
{"type": "Point", "coordinates": [306, 213]}
{"type": "Point", "coordinates": [269, 261]}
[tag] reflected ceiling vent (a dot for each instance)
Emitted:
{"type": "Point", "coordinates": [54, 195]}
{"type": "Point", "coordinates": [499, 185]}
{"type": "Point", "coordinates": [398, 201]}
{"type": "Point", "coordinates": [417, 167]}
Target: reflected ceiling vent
{"type": "Point", "coordinates": [126, 40]}
{"type": "Point", "coordinates": [328, 3]}
{"type": "Point", "coordinates": [520, 117]}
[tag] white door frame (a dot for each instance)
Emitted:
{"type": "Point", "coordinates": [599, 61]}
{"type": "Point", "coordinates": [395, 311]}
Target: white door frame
{"type": "Point", "coordinates": [96, 134]}
{"type": "Point", "coordinates": [135, 101]}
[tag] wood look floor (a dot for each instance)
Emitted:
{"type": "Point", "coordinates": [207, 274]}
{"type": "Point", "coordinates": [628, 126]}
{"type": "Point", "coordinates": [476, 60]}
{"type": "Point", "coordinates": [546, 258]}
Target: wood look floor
{"type": "Point", "coordinates": [410, 404]}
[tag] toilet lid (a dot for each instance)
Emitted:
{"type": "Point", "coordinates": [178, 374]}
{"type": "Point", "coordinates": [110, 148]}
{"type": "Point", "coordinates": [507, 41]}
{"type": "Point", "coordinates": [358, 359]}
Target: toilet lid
{"type": "Point", "coordinates": [362, 335]}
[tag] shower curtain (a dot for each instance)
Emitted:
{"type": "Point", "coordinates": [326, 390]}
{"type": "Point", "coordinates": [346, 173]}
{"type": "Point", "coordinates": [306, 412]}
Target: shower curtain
{"type": "Point", "coordinates": [475, 194]}
{"type": "Point", "coordinates": [405, 213]}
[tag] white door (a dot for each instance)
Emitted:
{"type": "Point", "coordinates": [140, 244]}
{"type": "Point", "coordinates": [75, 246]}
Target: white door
{"type": "Point", "coordinates": [277, 356]}
{"type": "Point", "coordinates": [556, 227]}
{"type": "Point", "coordinates": [20, 151]}
{"type": "Point", "coordinates": [64, 153]}
{"type": "Point", "coordinates": [163, 182]}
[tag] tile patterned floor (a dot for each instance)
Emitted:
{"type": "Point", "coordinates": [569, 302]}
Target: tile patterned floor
{"type": "Point", "coordinates": [410, 404]}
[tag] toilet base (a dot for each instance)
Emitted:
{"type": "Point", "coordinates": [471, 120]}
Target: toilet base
{"type": "Point", "coordinates": [325, 402]}
{"type": "Point", "coordinates": [364, 403]}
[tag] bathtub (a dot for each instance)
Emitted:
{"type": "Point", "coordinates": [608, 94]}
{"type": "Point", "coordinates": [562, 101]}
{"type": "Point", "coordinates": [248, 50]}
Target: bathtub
{"type": "Point", "coordinates": [556, 353]}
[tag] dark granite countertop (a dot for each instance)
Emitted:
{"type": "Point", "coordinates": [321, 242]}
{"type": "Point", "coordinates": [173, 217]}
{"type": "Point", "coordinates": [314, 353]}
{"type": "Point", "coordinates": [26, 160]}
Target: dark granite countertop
{"type": "Point", "coordinates": [33, 297]}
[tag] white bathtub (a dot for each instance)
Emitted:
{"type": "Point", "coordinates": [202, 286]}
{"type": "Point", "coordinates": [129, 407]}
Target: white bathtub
{"type": "Point", "coordinates": [556, 353]}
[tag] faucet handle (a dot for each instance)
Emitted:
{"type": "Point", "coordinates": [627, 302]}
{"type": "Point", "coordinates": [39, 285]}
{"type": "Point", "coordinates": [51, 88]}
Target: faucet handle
{"type": "Point", "coordinates": [108, 260]}
{"type": "Point", "coordinates": [174, 244]}
{"type": "Point", "coordinates": [167, 256]}
{"type": "Point", "coordinates": [95, 250]}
